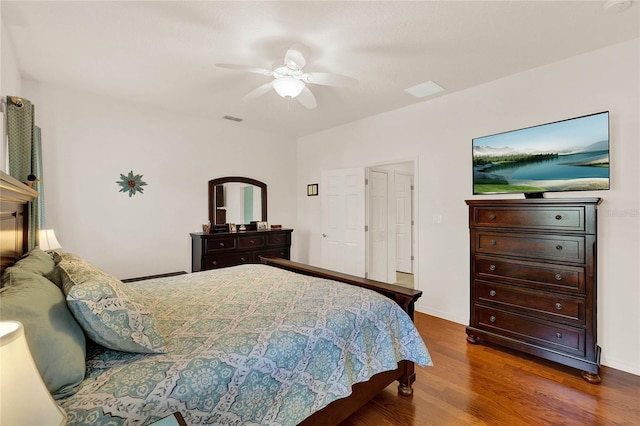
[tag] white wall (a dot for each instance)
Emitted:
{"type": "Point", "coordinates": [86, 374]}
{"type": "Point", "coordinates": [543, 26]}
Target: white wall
{"type": "Point", "coordinates": [88, 141]}
{"type": "Point", "coordinates": [438, 133]}
{"type": "Point", "coordinates": [10, 84]}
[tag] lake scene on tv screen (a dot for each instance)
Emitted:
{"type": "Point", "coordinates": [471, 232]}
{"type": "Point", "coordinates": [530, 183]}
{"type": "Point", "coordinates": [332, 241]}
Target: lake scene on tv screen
{"type": "Point", "coordinates": [569, 155]}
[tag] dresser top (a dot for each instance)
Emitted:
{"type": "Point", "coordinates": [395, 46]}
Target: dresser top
{"type": "Point", "coordinates": [535, 201]}
{"type": "Point", "coordinates": [238, 233]}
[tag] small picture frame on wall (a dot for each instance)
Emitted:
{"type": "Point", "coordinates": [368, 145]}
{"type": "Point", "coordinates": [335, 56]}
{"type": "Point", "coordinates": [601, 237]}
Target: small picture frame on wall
{"type": "Point", "coordinates": [233, 227]}
{"type": "Point", "coordinates": [262, 226]}
{"type": "Point", "coordinates": [312, 190]}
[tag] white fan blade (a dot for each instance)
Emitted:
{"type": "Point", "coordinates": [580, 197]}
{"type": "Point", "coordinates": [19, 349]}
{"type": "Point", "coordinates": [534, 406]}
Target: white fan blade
{"type": "Point", "coordinates": [258, 91]}
{"type": "Point", "coordinates": [294, 58]}
{"type": "Point", "coordinates": [246, 68]}
{"type": "Point", "coordinates": [327, 79]}
{"type": "Point", "coordinates": [307, 99]}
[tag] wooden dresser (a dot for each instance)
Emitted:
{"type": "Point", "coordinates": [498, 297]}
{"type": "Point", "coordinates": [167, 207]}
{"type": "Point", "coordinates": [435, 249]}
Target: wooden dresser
{"type": "Point", "coordinates": [533, 278]}
{"type": "Point", "coordinates": [211, 251]}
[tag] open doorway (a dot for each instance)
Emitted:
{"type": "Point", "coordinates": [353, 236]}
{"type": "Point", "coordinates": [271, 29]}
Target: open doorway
{"type": "Point", "coordinates": [390, 226]}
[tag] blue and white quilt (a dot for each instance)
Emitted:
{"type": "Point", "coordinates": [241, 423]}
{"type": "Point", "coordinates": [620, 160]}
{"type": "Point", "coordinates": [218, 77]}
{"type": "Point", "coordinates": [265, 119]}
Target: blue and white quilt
{"type": "Point", "coordinates": [247, 345]}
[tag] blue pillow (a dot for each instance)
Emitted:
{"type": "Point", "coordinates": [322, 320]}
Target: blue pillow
{"type": "Point", "coordinates": [110, 312]}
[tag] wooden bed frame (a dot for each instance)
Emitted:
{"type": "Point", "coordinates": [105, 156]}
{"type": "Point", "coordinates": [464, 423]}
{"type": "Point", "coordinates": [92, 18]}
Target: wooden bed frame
{"type": "Point", "coordinates": [340, 409]}
{"type": "Point", "coordinates": [15, 195]}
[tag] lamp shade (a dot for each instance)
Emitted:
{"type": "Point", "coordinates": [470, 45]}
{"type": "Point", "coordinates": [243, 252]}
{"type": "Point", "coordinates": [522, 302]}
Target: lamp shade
{"type": "Point", "coordinates": [24, 398]}
{"type": "Point", "coordinates": [47, 240]}
{"type": "Point", "coordinates": [288, 87]}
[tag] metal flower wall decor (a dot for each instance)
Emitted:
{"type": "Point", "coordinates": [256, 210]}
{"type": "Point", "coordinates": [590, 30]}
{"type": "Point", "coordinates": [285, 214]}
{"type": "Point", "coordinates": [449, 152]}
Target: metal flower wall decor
{"type": "Point", "coordinates": [131, 183]}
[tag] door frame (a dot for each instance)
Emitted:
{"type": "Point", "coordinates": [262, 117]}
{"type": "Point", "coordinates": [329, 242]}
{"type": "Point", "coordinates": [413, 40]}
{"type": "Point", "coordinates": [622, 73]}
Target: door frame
{"type": "Point", "coordinates": [415, 213]}
{"type": "Point", "coordinates": [411, 244]}
{"type": "Point", "coordinates": [388, 226]}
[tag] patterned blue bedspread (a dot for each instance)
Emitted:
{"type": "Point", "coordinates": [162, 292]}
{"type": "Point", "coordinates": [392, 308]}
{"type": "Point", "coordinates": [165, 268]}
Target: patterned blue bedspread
{"type": "Point", "coordinates": [247, 345]}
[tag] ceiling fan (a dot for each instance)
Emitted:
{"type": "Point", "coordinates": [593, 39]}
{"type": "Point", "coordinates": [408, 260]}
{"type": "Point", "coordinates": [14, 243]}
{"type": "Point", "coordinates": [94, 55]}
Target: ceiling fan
{"type": "Point", "coordinates": [290, 81]}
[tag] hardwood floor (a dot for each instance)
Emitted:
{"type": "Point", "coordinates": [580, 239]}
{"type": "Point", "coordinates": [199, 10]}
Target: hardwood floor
{"type": "Point", "coordinates": [481, 385]}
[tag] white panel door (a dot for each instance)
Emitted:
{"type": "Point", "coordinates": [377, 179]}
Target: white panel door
{"type": "Point", "coordinates": [404, 220]}
{"type": "Point", "coordinates": [378, 224]}
{"type": "Point", "coordinates": [343, 210]}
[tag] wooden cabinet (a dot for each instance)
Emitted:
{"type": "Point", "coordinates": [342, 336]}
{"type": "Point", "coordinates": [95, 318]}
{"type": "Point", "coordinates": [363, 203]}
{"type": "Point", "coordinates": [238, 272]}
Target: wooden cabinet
{"type": "Point", "coordinates": [211, 251]}
{"type": "Point", "coordinates": [533, 278]}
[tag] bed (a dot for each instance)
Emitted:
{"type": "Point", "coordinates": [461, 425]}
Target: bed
{"type": "Point", "coordinates": [278, 343]}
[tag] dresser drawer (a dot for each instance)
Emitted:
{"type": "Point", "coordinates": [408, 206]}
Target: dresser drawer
{"type": "Point", "coordinates": [279, 239]}
{"type": "Point", "coordinates": [219, 250]}
{"type": "Point", "coordinates": [224, 260]}
{"type": "Point", "coordinates": [551, 247]}
{"type": "Point", "coordinates": [212, 245]}
{"type": "Point", "coordinates": [554, 306]}
{"type": "Point", "coordinates": [253, 241]}
{"type": "Point", "coordinates": [532, 274]}
{"type": "Point", "coordinates": [283, 253]}
{"type": "Point", "coordinates": [532, 330]}
{"type": "Point", "coordinates": [551, 218]}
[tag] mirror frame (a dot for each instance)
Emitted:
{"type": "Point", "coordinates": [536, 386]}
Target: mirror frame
{"type": "Point", "coordinates": [219, 181]}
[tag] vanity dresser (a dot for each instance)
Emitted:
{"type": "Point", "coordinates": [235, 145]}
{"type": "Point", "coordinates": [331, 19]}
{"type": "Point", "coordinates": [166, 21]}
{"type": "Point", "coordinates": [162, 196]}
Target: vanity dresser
{"type": "Point", "coordinates": [533, 278]}
{"type": "Point", "coordinates": [240, 204]}
{"type": "Point", "coordinates": [219, 250]}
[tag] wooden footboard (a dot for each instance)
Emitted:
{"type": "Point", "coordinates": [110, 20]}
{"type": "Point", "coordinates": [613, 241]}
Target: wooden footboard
{"type": "Point", "coordinates": [339, 410]}
{"type": "Point", "coordinates": [405, 297]}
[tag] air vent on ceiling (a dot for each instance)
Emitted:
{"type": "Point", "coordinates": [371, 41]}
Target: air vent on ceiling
{"type": "Point", "coordinates": [425, 89]}
{"type": "Point", "coordinates": [232, 118]}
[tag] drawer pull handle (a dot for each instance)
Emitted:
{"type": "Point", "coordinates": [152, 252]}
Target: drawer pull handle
{"type": "Point", "coordinates": [558, 277]}
{"type": "Point", "coordinates": [558, 247]}
{"type": "Point", "coordinates": [492, 242]}
{"type": "Point", "coordinates": [558, 217]}
{"type": "Point", "coordinates": [251, 241]}
{"type": "Point", "coordinates": [492, 267]}
{"type": "Point", "coordinates": [559, 335]}
{"type": "Point", "coordinates": [492, 216]}
{"type": "Point", "coordinates": [214, 262]}
{"type": "Point", "coordinates": [492, 318]}
{"type": "Point", "coordinates": [559, 306]}
{"type": "Point", "coordinates": [221, 244]}
{"type": "Point", "coordinates": [242, 258]}
{"type": "Point", "coordinates": [492, 293]}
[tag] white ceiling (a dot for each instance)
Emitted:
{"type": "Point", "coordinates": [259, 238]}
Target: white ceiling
{"type": "Point", "coordinates": [163, 53]}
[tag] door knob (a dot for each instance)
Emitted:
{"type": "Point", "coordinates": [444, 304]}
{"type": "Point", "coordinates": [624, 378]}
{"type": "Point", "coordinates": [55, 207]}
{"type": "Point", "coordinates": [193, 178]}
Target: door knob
{"type": "Point", "coordinates": [324, 235]}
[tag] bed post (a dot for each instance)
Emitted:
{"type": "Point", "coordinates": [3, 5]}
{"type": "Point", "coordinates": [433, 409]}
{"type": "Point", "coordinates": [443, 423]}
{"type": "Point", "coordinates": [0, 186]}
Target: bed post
{"type": "Point", "coordinates": [405, 381]}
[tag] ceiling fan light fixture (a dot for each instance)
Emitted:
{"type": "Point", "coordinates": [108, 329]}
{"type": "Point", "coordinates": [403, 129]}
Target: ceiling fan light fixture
{"type": "Point", "coordinates": [288, 87]}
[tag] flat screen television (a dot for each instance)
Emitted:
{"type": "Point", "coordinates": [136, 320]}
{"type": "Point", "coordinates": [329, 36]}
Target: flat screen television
{"type": "Point", "coordinates": [567, 155]}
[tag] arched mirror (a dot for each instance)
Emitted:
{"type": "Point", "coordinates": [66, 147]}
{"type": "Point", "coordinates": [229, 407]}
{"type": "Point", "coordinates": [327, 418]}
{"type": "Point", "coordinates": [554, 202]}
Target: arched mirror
{"type": "Point", "coordinates": [238, 200]}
